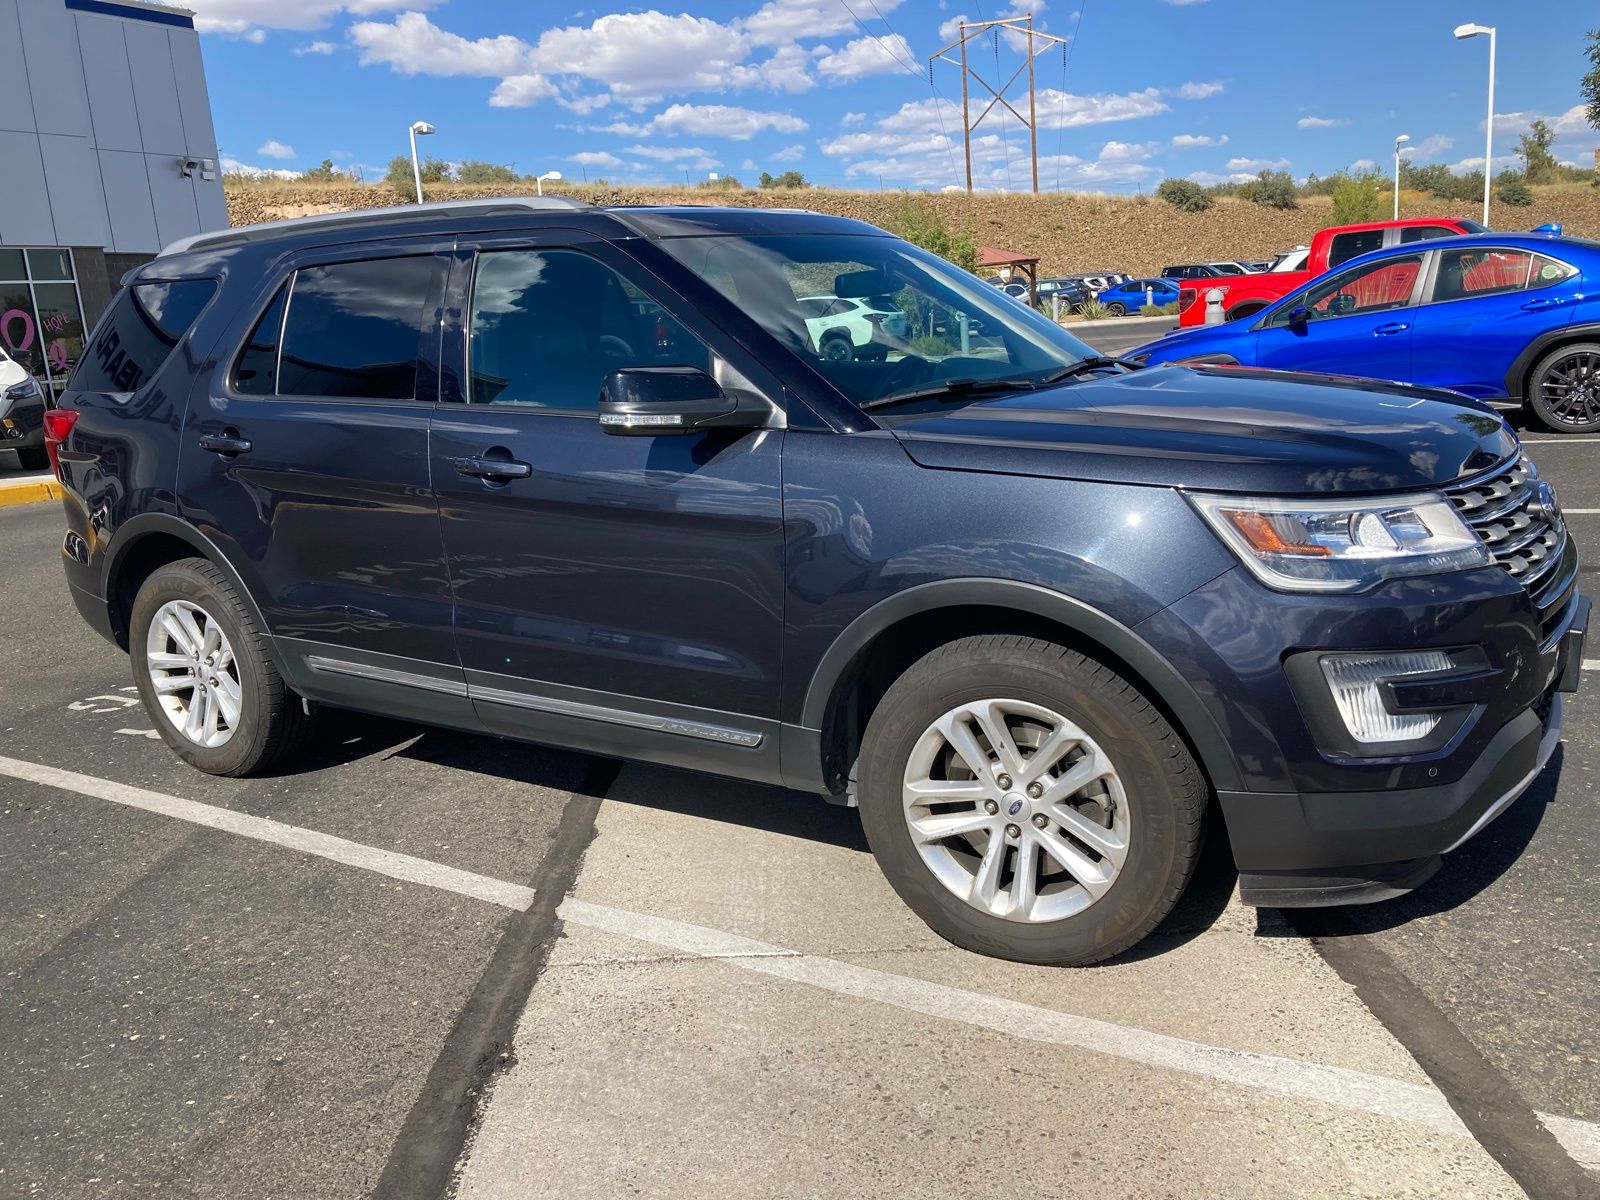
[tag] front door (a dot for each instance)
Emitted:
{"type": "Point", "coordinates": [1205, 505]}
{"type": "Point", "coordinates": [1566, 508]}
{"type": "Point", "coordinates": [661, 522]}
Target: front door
{"type": "Point", "coordinates": [606, 587]}
{"type": "Point", "coordinates": [305, 460]}
{"type": "Point", "coordinates": [1358, 322]}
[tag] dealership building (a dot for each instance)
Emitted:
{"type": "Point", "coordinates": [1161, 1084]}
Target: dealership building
{"type": "Point", "coordinates": [107, 153]}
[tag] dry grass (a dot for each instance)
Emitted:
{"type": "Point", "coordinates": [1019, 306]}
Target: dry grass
{"type": "Point", "coordinates": [1068, 231]}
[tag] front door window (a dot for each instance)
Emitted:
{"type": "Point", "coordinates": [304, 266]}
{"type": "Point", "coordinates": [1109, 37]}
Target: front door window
{"type": "Point", "coordinates": [1374, 287]}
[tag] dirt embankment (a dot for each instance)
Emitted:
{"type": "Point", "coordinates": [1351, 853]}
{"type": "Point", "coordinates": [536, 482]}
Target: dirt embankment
{"type": "Point", "coordinates": [1069, 232]}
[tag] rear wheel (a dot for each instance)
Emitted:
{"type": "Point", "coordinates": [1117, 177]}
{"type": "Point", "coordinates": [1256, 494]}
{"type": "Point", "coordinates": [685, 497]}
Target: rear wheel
{"type": "Point", "coordinates": [837, 347]}
{"type": "Point", "coordinates": [202, 669]}
{"type": "Point", "coordinates": [33, 460]}
{"type": "Point", "coordinates": [1564, 388]}
{"type": "Point", "coordinates": [1029, 803]}
{"type": "Point", "coordinates": [1117, 308]}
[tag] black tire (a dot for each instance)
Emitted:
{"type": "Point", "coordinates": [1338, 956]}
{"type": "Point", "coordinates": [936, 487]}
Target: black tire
{"type": "Point", "coordinates": [1117, 308]}
{"type": "Point", "coordinates": [272, 722]}
{"type": "Point", "coordinates": [1579, 364]}
{"type": "Point", "coordinates": [1150, 757]}
{"type": "Point", "coordinates": [35, 459]}
{"type": "Point", "coordinates": [837, 347]}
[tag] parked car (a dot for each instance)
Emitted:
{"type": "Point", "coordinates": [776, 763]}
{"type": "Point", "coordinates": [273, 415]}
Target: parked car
{"type": "Point", "coordinates": [1510, 317]}
{"type": "Point", "coordinates": [844, 327]}
{"type": "Point", "coordinates": [1289, 260]}
{"type": "Point", "coordinates": [1074, 293]}
{"type": "Point", "coordinates": [22, 406]}
{"type": "Point", "coordinates": [1134, 294]}
{"type": "Point", "coordinates": [1195, 271]}
{"type": "Point", "coordinates": [1249, 294]}
{"type": "Point", "coordinates": [1030, 609]}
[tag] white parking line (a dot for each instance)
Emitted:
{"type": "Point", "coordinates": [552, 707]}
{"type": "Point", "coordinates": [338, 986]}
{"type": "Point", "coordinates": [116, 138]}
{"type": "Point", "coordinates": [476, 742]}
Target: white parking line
{"type": "Point", "coordinates": [1418, 1104]}
{"type": "Point", "coordinates": [1591, 664]}
{"type": "Point", "coordinates": [1559, 441]}
{"type": "Point", "coordinates": [1580, 512]}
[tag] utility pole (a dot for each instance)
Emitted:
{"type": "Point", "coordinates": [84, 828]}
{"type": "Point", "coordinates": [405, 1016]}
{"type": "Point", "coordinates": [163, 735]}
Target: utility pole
{"type": "Point", "coordinates": [966, 31]}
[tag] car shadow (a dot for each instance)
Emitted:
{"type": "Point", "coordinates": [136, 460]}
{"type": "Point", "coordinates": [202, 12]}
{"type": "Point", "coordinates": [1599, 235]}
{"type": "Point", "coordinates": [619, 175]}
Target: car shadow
{"type": "Point", "coordinates": [1466, 874]}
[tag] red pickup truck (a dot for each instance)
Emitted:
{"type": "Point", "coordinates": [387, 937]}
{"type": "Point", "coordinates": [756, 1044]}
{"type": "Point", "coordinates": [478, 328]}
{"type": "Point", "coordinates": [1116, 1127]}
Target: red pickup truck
{"type": "Point", "coordinates": [1244, 295]}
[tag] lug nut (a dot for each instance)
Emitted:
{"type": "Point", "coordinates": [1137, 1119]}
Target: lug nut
{"type": "Point", "coordinates": [1013, 831]}
{"type": "Point", "coordinates": [990, 807]}
{"type": "Point", "coordinates": [1040, 820]}
{"type": "Point", "coordinates": [1004, 781]}
{"type": "Point", "coordinates": [1035, 790]}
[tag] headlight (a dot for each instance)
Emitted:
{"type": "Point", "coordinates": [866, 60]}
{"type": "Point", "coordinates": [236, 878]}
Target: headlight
{"type": "Point", "coordinates": [1343, 545]}
{"type": "Point", "coordinates": [29, 387]}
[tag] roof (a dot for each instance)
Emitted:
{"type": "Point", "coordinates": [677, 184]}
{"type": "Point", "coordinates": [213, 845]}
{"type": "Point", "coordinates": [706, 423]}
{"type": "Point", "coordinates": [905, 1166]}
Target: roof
{"type": "Point", "coordinates": [993, 256]}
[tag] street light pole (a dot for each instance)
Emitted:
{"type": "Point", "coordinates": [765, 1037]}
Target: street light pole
{"type": "Point", "coordinates": [1471, 31]}
{"type": "Point", "coordinates": [1398, 142]}
{"type": "Point", "coordinates": [418, 127]}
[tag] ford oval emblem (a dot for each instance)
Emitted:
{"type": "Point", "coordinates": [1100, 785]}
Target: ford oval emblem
{"type": "Point", "coordinates": [1547, 505]}
{"type": "Point", "coordinates": [1015, 808]}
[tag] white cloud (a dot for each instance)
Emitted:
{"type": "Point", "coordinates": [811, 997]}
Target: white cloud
{"type": "Point", "coordinates": [692, 156]}
{"type": "Point", "coordinates": [708, 120]}
{"type": "Point", "coordinates": [1199, 91]}
{"type": "Point", "coordinates": [1126, 151]}
{"type": "Point", "coordinates": [1362, 164]}
{"type": "Point", "coordinates": [852, 118]}
{"type": "Point", "coordinates": [788, 69]}
{"type": "Point", "coordinates": [595, 158]}
{"type": "Point", "coordinates": [789, 154]}
{"type": "Point", "coordinates": [1190, 141]}
{"type": "Point", "coordinates": [951, 29]}
{"type": "Point", "coordinates": [1257, 164]}
{"type": "Point", "coordinates": [1322, 122]}
{"type": "Point", "coordinates": [521, 91]}
{"type": "Point", "coordinates": [414, 45]}
{"type": "Point", "coordinates": [888, 55]}
{"type": "Point", "coordinates": [232, 166]}
{"type": "Point", "coordinates": [584, 105]}
{"type": "Point", "coordinates": [1430, 147]}
{"type": "Point", "coordinates": [1064, 110]}
{"type": "Point", "coordinates": [1499, 163]}
{"type": "Point", "coordinates": [1576, 140]}
{"type": "Point", "coordinates": [643, 56]}
{"type": "Point", "coordinates": [275, 149]}
{"type": "Point", "coordinates": [239, 16]}
{"type": "Point", "coordinates": [785, 20]}
{"type": "Point", "coordinates": [1209, 178]}
{"type": "Point", "coordinates": [316, 48]}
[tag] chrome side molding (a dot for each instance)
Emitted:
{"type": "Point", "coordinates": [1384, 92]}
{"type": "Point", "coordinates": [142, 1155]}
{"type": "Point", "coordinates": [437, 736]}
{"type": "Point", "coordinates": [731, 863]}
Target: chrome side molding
{"type": "Point", "coordinates": [336, 666]}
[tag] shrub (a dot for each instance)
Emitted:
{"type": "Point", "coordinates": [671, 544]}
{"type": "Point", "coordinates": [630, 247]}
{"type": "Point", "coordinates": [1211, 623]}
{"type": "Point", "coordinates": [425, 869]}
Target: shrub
{"type": "Point", "coordinates": [722, 183]}
{"type": "Point", "coordinates": [1093, 310]}
{"type": "Point", "coordinates": [1459, 187]}
{"type": "Point", "coordinates": [1273, 189]}
{"type": "Point", "coordinates": [1185, 195]}
{"type": "Point", "coordinates": [1356, 198]}
{"type": "Point", "coordinates": [1512, 189]}
{"type": "Point", "coordinates": [1170, 309]}
{"type": "Point", "coordinates": [930, 345]}
{"type": "Point", "coordinates": [919, 223]}
{"type": "Point", "coordinates": [475, 171]}
{"type": "Point", "coordinates": [400, 180]}
{"type": "Point", "coordinates": [789, 179]}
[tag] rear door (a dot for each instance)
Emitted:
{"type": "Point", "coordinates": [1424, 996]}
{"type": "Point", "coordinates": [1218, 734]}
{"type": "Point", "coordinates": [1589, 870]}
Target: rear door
{"type": "Point", "coordinates": [1357, 322]}
{"type": "Point", "coordinates": [304, 457]}
{"type": "Point", "coordinates": [616, 593]}
{"type": "Point", "coordinates": [1484, 305]}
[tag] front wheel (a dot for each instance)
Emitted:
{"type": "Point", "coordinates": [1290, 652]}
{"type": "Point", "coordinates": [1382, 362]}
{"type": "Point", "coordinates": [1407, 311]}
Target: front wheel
{"type": "Point", "coordinates": [1564, 388]}
{"type": "Point", "coordinates": [1117, 308]}
{"type": "Point", "coordinates": [1029, 803]}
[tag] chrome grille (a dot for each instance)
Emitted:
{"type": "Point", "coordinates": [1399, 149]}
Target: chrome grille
{"type": "Point", "coordinates": [1517, 517]}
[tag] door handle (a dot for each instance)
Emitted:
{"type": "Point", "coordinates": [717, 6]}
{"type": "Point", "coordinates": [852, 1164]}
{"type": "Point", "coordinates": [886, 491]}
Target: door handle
{"type": "Point", "coordinates": [1536, 305]}
{"type": "Point", "coordinates": [1391, 327]}
{"type": "Point", "coordinates": [227, 442]}
{"type": "Point", "coordinates": [480, 466]}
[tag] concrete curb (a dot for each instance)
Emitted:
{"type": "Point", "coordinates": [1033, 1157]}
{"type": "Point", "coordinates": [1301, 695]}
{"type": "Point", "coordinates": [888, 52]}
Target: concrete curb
{"type": "Point", "coordinates": [29, 491]}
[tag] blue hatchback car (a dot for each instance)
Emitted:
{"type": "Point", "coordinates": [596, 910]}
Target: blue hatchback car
{"type": "Point", "coordinates": [1133, 294]}
{"type": "Point", "coordinates": [1499, 316]}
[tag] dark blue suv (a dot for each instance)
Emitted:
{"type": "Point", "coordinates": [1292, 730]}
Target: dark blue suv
{"type": "Point", "coordinates": [583, 476]}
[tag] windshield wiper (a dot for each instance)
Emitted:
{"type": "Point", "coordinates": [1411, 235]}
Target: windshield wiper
{"type": "Point", "coordinates": [1094, 362]}
{"type": "Point", "coordinates": [952, 387]}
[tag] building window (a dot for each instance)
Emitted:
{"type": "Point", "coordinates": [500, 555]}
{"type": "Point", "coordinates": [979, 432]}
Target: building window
{"type": "Point", "coordinates": [41, 313]}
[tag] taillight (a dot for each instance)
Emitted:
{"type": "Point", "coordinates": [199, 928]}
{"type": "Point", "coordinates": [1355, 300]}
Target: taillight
{"type": "Point", "coordinates": [58, 423]}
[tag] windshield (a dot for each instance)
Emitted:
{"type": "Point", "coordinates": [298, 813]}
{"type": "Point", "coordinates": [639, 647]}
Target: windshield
{"type": "Point", "coordinates": [926, 323]}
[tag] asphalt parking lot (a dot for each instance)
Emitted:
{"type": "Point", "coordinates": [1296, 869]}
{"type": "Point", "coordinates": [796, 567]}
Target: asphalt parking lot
{"type": "Point", "coordinates": [419, 961]}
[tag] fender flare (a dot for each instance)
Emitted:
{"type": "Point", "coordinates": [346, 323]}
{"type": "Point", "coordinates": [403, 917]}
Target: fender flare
{"type": "Point", "coordinates": [1171, 689]}
{"type": "Point", "coordinates": [136, 529]}
{"type": "Point", "coordinates": [1539, 347]}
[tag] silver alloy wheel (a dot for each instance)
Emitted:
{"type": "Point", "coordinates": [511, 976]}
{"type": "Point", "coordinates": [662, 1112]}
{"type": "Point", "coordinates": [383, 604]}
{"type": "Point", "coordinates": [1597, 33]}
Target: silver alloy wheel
{"type": "Point", "coordinates": [193, 673]}
{"type": "Point", "coordinates": [1570, 388]}
{"type": "Point", "coordinates": [1016, 810]}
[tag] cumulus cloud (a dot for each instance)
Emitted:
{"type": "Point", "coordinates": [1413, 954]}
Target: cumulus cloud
{"type": "Point", "coordinates": [708, 120]}
{"type": "Point", "coordinates": [315, 48]}
{"type": "Point", "coordinates": [595, 158]}
{"type": "Point", "coordinates": [240, 16]}
{"type": "Point", "coordinates": [1199, 91]}
{"type": "Point", "coordinates": [414, 45]}
{"type": "Point", "coordinates": [789, 154]}
{"type": "Point", "coordinates": [888, 55]}
{"type": "Point", "coordinates": [1253, 165]}
{"type": "Point", "coordinates": [1190, 141]}
{"type": "Point", "coordinates": [785, 20]}
{"type": "Point", "coordinates": [520, 91]}
{"type": "Point", "coordinates": [232, 166]}
{"type": "Point", "coordinates": [275, 149]}
{"type": "Point", "coordinates": [1430, 147]}
{"type": "Point", "coordinates": [1362, 164]}
{"type": "Point", "coordinates": [1322, 122]}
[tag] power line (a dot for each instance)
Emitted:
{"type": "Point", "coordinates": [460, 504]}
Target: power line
{"type": "Point", "coordinates": [938, 108]}
{"type": "Point", "coordinates": [1066, 54]}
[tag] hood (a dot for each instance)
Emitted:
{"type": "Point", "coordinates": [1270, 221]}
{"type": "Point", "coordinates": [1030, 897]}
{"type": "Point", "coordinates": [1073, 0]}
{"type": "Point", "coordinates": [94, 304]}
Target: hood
{"type": "Point", "coordinates": [1226, 429]}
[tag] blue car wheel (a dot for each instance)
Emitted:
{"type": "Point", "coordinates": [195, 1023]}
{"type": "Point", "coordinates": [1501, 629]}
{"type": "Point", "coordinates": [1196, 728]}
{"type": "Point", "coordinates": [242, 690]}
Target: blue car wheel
{"type": "Point", "coordinates": [1564, 388]}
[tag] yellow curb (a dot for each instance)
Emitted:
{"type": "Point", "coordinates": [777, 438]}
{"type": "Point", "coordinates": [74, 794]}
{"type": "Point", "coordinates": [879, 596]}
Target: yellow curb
{"type": "Point", "coordinates": [29, 493]}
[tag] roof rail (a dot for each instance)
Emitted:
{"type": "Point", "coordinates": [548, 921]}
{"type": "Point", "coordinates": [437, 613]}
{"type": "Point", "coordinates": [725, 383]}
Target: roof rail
{"type": "Point", "coordinates": [398, 212]}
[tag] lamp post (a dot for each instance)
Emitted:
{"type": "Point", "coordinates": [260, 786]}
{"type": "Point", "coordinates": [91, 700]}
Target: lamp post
{"type": "Point", "coordinates": [1398, 142]}
{"type": "Point", "coordinates": [1471, 31]}
{"type": "Point", "coordinates": [547, 177]}
{"type": "Point", "coordinates": [418, 128]}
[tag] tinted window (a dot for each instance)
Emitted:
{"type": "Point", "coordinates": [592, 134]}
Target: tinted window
{"type": "Point", "coordinates": [1464, 274]}
{"type": "Point", "coordinates": [1348, 245]}
{"type": "Point", "coordinates": [1374, 287]}
{"type": "Point", "coordinates": [354, 329]}
{"type": "Point", "coordinates": [256, 371]}
{"type": "Point", "coordinates": [549, 325]}
{"type": "Point", "coordinates": [1423, 233]}
{"type": "Point", "coordinates": [140, 329]}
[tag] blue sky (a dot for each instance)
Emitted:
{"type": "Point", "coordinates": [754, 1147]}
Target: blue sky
{"type": "Point", "coordinates": [839, 89]}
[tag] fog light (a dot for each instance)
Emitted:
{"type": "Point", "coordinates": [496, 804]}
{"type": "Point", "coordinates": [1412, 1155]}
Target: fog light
{"type": "Point", "coordinates": [1354, 678]}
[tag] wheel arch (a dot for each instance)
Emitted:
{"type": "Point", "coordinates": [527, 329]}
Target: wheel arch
{"type": "Point", "coordinates": [1521, 372]}
{"type": "Point", "coordinates": [143, 546]}
{"type": "Point", "coordinates": [880, 643]}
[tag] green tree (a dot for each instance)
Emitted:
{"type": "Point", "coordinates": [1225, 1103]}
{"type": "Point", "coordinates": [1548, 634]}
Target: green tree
{"type": "Point", "coordinates": [399, 177]}
{"type": "Point", "coordinates": [1356, 198]}
{"type": "Point", "coordinates": [919, 223]}
{"type": "Point", "coordinates": [476, 171]}
{"type": "Point", "coordinates": [789, 179]}
{"type": "Point", "coordinates": [1185, 195]}
{"type": "Point", "coordinates": [1538, 164]}
{"type": "Point", "coordinates": [722, 183]}
{"type": "Point", "coordinates": [1274, 189]}
{"type": "Point", "coordinates": [325, 172]}
{"type": "Point", "coordinates": [1589, 85]}
{"type": "Point", "coordinates": [1511, 188]}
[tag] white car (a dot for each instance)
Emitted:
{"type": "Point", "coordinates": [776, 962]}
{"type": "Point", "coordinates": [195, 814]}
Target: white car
{"type": "Point", "coordinates": [1291, 260]}
{"type": "Point", "coordinates": [841, 326]}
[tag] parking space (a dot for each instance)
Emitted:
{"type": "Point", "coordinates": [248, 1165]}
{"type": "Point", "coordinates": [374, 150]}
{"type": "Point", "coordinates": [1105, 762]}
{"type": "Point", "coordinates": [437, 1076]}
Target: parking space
{"type": "Point", "coordinates": [199, 995]}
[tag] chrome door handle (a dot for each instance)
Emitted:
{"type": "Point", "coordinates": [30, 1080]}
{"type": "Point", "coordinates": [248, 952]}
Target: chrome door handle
{"type": "Point", "coordinates": [1392, 327]}
{"type": "Point", "coordinates": [225, 443]}
{"type": "Point", "coordinates": [479, 466]}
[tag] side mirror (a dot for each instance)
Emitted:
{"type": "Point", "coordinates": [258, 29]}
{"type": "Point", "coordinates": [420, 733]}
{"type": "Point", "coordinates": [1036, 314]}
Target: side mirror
{"type": "Point", "coordinates": [1298, 316]}
{"type": "Point", "coordinates": [649, 401]}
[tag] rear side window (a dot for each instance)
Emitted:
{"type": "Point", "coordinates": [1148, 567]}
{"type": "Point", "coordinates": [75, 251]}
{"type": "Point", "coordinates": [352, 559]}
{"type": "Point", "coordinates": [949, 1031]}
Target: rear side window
{"type": "Point", "coordinates": [354, 329]}
{"type": "Point", "coordinates": [142, 327]}
{"type": "Point", "coordinates": [1424, 233]}
{"type": "Point", "coordinates": [1346, 246]}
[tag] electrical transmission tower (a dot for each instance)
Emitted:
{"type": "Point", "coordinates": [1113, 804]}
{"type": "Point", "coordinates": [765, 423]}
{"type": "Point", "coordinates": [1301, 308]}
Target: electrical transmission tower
{"type": "Point", "coordinates": [1022, 27]}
